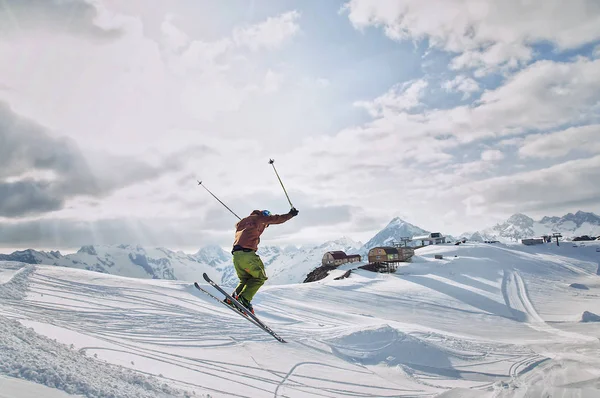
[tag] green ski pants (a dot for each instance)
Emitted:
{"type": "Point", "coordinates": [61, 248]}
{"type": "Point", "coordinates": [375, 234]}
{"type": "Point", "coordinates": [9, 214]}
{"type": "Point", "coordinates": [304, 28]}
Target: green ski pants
{"type": "Point", "coordinates": [251, 272]}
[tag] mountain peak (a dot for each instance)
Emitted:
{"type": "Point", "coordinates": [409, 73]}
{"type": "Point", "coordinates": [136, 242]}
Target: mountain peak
{"type": "Point", "coordinates": [396, 221]}
{"type": "Point", "coordinates": [519, 218]}
{"type": "Point", "coordinates": [393, 232]}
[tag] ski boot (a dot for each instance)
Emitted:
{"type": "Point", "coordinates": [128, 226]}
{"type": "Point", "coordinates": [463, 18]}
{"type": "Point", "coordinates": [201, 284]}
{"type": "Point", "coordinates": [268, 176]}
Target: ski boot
{"type": "Point", "coordinates": [229, 302]}
{"type": "Point", "coordinates": [245, 303]}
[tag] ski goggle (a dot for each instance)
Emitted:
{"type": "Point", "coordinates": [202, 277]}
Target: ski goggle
{"type": "Point", "coordinates": [266, 213]}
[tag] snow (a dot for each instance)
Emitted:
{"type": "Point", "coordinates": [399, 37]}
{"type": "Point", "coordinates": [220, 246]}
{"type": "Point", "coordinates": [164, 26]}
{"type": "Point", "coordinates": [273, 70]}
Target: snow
{"type": "Point", "coordinates": [11, 387]}
{"type": "Point", "coordinates": [487, 320]}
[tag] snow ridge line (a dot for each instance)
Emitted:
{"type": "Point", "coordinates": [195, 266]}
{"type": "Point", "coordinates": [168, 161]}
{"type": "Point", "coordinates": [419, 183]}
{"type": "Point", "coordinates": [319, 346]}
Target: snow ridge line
{"type": "Point", "coordinates": [16, 287]}
{"type": "Point", "coordinates": [517, 300]}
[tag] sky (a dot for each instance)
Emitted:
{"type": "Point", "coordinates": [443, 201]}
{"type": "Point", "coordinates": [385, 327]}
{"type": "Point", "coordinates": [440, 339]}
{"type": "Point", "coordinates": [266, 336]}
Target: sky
{"type": "Point", "coordinates": [450, 114]}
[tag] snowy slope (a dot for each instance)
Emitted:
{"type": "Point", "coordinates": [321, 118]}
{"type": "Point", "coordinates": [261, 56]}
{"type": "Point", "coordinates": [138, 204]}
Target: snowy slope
{"type": "Point", "coordinates": [485, 321]}
{"type": "Point", "coordinates": [520, 226]}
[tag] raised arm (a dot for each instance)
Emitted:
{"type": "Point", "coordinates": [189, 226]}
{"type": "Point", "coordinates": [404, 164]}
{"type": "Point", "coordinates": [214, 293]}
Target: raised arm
{"type": "Point", "coordinates": [278, 218]}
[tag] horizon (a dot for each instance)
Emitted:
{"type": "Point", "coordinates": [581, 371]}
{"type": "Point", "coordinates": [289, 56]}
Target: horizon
{"type": "Point", "coordinates": [191, 251]}
{"type": "Point", "coordinates": [368, 109]}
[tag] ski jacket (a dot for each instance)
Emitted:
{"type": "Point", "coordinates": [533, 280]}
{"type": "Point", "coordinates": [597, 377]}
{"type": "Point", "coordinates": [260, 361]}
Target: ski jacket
{"type": "Point", "coordinates": [249, 229]}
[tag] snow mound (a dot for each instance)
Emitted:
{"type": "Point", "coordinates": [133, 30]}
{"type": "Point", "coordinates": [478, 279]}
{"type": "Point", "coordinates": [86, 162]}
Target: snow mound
{"type": "Point", "coordinates": [589, 317]}
{"type": "Point", "coordinates": [28, 355]}
{"type": "Point", "coordinates": [387, 346]}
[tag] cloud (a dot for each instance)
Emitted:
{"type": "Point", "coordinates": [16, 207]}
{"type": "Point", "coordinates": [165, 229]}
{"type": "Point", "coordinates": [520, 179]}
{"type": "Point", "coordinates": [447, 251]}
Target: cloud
{"type": "Point", "coordinates": [552, 93]}
{"type": "Point", "coordinates": [270, 34]}
{"type": "Point", "coordinates": [487, 33]}
{"type": "Point", "coordinates": [217, 74]}
{"type": "Point", "coordinates": [492, 155]}
{"type": "Point", "coordinates": [57, 233]}
{"type": "Point", "coordinates": [462, 83]}
{"type": "Point", "coordinates": [39, 173]}
{"type": "Point", "coordinates": [76, 17]}
{"type": "Point", "coordinates": [561, 143]}
{"type": "Point", "coordinates": [560, 185]}
{"type": "Point", "coordinates": [400, 97]}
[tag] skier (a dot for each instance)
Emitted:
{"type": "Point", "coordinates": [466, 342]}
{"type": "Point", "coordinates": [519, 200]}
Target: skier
{"type": "Point", "coordinates": [248, 265]}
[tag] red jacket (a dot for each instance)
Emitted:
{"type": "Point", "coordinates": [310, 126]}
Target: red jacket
{"type": "Point", "coordinates": [249, 229]}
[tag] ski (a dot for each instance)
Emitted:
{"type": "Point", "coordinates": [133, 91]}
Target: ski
{"type": "Point", "coordinates": [247, 314]}
{"type": "Point", "coordinates": [197, 286]}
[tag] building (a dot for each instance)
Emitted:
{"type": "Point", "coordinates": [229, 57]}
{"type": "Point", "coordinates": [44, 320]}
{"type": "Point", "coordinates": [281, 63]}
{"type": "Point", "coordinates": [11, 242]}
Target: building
{"type": "Point", "coordinates": [433, 238]}
{"type": "Point", "coordinates": [338, 257]}
{"type": "Point", "coordinates": [532, 241]}
{"type": "Point", "coordinates": [386, 254]}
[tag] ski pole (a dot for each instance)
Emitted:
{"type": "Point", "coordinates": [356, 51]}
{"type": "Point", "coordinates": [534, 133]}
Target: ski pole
{"type": "Point", "coordinates": [200, 183]}
{"type": "Point", "coordinates": [272, 163]}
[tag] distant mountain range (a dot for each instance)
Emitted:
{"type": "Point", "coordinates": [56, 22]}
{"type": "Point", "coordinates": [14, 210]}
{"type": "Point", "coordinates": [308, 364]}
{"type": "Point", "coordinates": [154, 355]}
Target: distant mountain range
{"type": "Point", "coordinates": [520, 226]}
{"type": "Point", "coordinates": [284, 265]}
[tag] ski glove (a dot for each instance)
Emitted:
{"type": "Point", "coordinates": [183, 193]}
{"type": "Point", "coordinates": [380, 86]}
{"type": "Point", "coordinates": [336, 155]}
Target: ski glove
{"type": "Point", "coordinates": [293, 212]}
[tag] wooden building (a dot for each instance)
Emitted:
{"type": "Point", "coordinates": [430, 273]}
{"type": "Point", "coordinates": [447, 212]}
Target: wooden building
{"type": "Point", "coordinates": [387, 254]}
{"type": "Point", "coordinates": [337, 258]}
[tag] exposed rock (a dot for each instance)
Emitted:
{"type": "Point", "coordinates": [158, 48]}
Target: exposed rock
{"type": "Point", "coordinates": [319, 273]}
{"type": "Point", "coordinates": [346, 275]}
{"type": "Point", "coordinates": [589, 317]}
{"type": "Point", "coordinates": [579, 286]}
{"type": "Point", "coordinates": [88, 249]}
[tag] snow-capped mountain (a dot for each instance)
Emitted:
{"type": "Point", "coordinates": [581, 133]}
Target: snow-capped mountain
{"type": "Point", "coordinates": [393, 232]}
{"type": "Point", "coordinates": [284, 265]}
{"type": "Point", "coordinates": [133, 261]}
{"type": "Point", "coordinates": [520, 226]}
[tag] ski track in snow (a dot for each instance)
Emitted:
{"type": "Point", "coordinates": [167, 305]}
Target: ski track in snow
{"type": "Point", "coordinates": [517, 299]}
{"type": "Point", "coordinates": [435, 327]}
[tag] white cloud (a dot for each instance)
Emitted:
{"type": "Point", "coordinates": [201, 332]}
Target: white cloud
{"type": "Point", "coordinates": [401, 97]}
{"type": "Point", "coordinates": [560, 185]}
{"type": "Point", "coordinates": [515, 141]}
{"type": "Point", "coordinates": [596, 52]}
{"type": "Point", "coordinates": [272, 81]}
{"type": "Point", "coordinates": [561, 143]}
{"type": "Point", "coordinates": [544, 95]}
{"type": "Point", "coordinates": [492, 155]}
{"type": "Point", "coordinates": [174, 38]}
{"type": "Point", "coordinates": [488, 33]}
{"type": "Point", "coordinates": [270, 34]}
{"type": "Point", "coordinates": [463, 84]}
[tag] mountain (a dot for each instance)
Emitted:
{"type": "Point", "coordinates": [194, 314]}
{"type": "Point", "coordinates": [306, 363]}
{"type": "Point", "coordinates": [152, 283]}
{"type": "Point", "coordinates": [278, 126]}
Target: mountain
{"type": "Point", "coordinates": [520, 226]}
{"type": "Point", "coordinates": [133, 261]}
{"type": "Point", "coordinates": [396, 229]}
{"type": "Point", "coordinates": [283, 265]}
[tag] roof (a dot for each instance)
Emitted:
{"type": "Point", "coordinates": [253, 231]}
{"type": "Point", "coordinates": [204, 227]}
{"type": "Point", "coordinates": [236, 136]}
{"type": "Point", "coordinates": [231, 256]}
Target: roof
{"type": "Point", "coordinates": [388, 249]}
{"type": "Point", "coordinates": [338, 255]}
{"type": "Point", "coordinates": [353, 255]}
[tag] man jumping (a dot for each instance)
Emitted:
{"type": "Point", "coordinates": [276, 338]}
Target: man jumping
{"type": "Point", "coordinates": [248, 265]}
